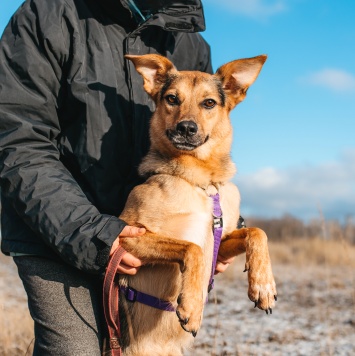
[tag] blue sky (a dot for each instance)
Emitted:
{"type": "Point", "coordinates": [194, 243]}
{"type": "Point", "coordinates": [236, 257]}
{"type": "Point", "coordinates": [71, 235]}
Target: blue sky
{"type": "Point", "coordinates": [294, 141]}
{"type": "Point", "coordinates": [294, 135]}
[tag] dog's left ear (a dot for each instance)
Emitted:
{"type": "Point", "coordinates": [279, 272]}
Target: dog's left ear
{"type": "Point", "coordinates": [237, 76]}
{"type": "Point", "coordinates": [154, 69]}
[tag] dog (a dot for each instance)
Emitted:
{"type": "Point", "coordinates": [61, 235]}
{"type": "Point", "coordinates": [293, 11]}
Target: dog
{"type": "Point", "coordinates": [188, 163]}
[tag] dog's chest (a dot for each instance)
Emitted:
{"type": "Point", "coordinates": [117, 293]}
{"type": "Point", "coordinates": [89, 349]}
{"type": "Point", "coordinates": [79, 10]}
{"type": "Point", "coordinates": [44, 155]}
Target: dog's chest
{"type": "Point", "coordinates": [192, 221]}
{"type": "Point", "coordinates": [191, 216]}
{"type": "Point", "coordinates": [197, 227]}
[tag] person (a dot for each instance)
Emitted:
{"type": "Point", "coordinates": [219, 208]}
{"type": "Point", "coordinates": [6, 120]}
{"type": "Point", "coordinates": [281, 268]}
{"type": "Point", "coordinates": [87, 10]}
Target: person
{"type": "Point", "coordinates": [73, 128]}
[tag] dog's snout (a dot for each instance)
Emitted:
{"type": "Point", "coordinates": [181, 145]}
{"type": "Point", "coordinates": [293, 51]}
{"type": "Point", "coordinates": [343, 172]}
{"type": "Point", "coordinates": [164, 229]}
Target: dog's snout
{"type": "Point", "coordinates": [187, 128]}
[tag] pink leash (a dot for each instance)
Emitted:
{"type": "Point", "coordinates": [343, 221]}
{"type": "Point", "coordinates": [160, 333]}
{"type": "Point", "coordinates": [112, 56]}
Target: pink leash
{"type": "Point", "coordinates": [111, 302]}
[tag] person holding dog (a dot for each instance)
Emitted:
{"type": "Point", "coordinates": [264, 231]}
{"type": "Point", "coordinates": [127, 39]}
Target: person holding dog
{"type": "Point", "coordinates": [73, 128]}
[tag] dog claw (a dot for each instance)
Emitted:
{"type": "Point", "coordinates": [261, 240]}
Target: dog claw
{"type": "Point", "coordinates": [193, 332]}
{"type": "Point", "coordinates": [267, 311]}
{"type": "Point", "coordinates": [182, 321]}
{"type": "Point", "coordinates": [245, 270]}
{"type": "Point", "coordinates": [275, 297]}
{"type": "Point", "coordinates": [255, 304]}
{"type": "Point", "coordinates": [270, 310]}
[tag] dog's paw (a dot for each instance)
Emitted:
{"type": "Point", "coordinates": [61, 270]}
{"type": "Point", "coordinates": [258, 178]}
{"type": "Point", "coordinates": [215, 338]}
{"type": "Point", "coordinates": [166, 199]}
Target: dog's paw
{"type": "Point", "coordinates": [262, 286]}
{"type": "Point", "coordinates": [189, 313]}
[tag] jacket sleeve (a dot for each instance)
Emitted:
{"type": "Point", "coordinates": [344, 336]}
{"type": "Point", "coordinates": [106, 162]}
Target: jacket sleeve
{"type": "Point", "coordinates": [33, 179]}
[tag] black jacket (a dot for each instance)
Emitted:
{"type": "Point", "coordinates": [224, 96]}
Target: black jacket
{"type": "Point", "coordinates": [74, 120]}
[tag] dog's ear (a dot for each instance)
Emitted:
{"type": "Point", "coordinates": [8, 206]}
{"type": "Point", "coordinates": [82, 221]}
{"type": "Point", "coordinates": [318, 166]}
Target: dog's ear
{"type": "Point", "coordinates": [154, 69]}
{"type": "Point", "coordinates": [237, 76]}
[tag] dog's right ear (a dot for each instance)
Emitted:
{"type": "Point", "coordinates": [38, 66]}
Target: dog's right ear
{"type": "Point", "coordinates": [154, 69]}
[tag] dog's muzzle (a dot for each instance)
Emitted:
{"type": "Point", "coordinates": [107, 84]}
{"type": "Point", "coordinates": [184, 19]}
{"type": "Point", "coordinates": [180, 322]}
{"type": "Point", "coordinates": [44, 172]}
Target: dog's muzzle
{"type": "Point", "coordinates": [185, 136]}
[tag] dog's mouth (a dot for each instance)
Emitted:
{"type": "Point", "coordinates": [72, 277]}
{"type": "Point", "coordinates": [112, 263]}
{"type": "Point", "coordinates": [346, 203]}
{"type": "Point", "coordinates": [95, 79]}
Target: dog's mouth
{"type": "Point", "coordinates": [183, 142]}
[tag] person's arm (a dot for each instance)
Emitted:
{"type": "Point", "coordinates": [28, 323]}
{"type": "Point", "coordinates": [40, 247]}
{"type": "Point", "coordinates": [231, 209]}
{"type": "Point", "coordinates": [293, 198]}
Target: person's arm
{"type": "Point", "coordinates": [33, 179]}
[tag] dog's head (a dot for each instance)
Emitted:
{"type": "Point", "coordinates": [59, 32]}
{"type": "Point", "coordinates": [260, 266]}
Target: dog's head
{"type": "Point", "coordinates": [192, 108]}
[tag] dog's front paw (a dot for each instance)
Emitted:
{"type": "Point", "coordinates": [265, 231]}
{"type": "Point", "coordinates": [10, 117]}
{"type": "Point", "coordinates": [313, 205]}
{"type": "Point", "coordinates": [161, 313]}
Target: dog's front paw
{"type": "Point", "coordinates": [189, 312]}
{"type": "Point", "coordinates": [262, 286]}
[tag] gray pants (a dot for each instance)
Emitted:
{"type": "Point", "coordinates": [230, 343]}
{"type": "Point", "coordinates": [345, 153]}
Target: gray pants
{"type": "Point", "coordinates": [65, 305]}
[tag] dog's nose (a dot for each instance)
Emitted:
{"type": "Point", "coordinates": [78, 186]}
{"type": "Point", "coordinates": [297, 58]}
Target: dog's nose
{"type": "Point", "coordinates": [186, 128]}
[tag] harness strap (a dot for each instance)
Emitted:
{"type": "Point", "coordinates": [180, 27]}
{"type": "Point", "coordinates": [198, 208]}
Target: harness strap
{"type": "Point", "coordinates": [111, 302]}
{"type": "Point", "coordinates": [133, 295]}
{"type": "Point", "coordinates": [217, 234]}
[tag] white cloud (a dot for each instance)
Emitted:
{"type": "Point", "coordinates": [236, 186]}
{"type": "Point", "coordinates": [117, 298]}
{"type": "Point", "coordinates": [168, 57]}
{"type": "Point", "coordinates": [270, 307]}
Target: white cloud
{"type": "Point", "coordinates": [334, 79]}
{"type": "Point", "coordinates": [259, 9]}
{"type": "Point", "coordinates": [301, 191]}
{"type": "Point", "coordinates": [266, 178]}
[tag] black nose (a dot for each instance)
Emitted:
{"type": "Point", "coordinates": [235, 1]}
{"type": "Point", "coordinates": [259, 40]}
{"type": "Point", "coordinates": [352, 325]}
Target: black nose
{"type": "Point", "coordinates": [186, 128]}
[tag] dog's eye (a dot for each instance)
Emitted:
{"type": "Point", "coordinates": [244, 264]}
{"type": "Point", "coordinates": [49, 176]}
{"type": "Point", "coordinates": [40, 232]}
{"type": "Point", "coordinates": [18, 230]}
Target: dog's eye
{"type": "Point", "coordinates": [209, 103]}
{"type": "Point", "coordinates": [172, 99]}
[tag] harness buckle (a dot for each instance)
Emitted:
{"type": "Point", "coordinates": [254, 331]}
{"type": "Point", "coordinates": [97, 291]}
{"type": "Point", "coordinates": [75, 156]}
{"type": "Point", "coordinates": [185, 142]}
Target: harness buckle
{"type": "Point", "coordinates": [217, 222]}
{"type": "Point", "coordinates": [131, 294]}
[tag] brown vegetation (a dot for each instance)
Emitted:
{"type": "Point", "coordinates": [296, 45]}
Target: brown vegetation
{"type": "Point", "coordinates": [289, 227]}
{"type": "Point", "coordinates": [318, 242]}
{"type": "Point", "coordinates": [16, 326]}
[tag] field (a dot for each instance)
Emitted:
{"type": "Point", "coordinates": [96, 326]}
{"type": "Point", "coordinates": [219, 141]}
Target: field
{"type": "Point", "coordinates": [314, 315]}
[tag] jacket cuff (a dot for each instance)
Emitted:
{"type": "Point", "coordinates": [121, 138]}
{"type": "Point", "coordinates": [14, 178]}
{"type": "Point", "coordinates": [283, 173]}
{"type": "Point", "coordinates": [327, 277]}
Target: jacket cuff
{"type": "Point", "coordinates": [107, 236]}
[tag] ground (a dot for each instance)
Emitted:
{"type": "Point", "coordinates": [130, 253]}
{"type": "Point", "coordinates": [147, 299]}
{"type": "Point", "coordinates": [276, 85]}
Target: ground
{"type": "Point", "coordinates": [314, 314]}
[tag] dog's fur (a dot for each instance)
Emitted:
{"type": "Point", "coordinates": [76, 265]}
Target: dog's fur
{"type": "Point", "coordinates": [189, 159]}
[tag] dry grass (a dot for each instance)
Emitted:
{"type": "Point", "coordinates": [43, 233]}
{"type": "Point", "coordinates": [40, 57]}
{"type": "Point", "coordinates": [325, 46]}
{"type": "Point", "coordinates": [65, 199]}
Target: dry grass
{"type": "Point", "coordinates": [315, 251]}
{"type": "Point", "coordinates": [303, 252]}
{"type": "Point", "coordinates": [16, 332]}
{"type": "Point", "coordinates": [16, 325]}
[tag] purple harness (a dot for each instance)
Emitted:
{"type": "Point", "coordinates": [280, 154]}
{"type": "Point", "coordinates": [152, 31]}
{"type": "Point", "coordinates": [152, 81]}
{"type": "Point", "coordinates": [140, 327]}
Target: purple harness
{"type": "Point", "coordinates": [217, 234]}
{"type": "Point", "coordinates": [133, 295]}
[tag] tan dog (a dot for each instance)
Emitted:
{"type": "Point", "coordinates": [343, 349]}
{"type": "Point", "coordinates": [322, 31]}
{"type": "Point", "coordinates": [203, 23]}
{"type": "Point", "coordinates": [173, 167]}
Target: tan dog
{"type": "Point", "coordinates": [189, 159]}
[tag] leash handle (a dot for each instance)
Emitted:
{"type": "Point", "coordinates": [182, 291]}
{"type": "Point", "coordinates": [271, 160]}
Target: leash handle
{"type": "Point", "coordinates": [111, 301]}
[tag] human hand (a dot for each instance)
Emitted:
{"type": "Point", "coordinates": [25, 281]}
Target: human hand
{"type": "Point", "coordinates": [129, 264]}
{"type": "Point", "coordinates": [223, 263]}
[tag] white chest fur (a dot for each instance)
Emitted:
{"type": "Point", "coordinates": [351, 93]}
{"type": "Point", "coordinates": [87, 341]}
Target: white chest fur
{"type": "Point", "coordinates": [197, 227]}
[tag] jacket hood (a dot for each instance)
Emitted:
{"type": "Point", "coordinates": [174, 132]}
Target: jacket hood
{"type": "Point", "coordinates": [183, 16]}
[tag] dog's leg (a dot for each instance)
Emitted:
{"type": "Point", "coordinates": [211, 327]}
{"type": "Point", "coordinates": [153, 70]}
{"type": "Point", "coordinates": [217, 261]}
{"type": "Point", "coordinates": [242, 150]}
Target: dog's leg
{"type": "Point", "coordinates": [151, 248]}
{"type": "Point", "coordinates": [253, 241]}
